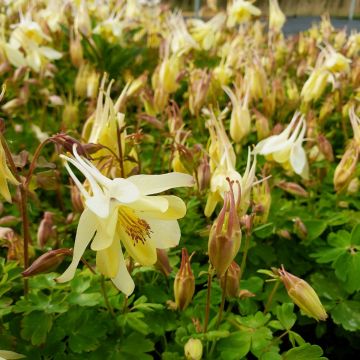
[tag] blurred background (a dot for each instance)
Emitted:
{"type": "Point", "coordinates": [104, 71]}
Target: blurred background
{"type": "Point", "coordinates": [338, 8]}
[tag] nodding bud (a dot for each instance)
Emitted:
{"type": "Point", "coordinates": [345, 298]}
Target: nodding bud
{"type": "Point", "coordinates": [229, 282]}
{"type": "Point", "coordinates": [300, 229]}
{"type": "Point", "coordinates": [76, 51]}
{"type": "Point", "coordinates": [68, 142]}
{"type": "Point", "coordinates": [46, 229]}
{"type": "Point", "coordinates": [184, 284]}
{"type": "Point", "coordinates": [261, 201]}
{"type": "Point", "coordinates": [225, 235]}
{"type": "Point", "coordinates": [283, 233]}
{"type": "Point", "coordinates": [292, 188]}
{"type": "Point", "coordinates": [193, 349]}
{"type": "Point", "coordinates": [162, 262]}
{"type": "Point", "coordinates": [303, 295]}
{"type": "Point", "coordinates": [47, 262]}
{"type": "Point", "coordinates": [345, 171]}
{"type": "Point", "coordinates": [325, 147]}
{"type": "Point", "coordinates": [203, 174]}
{"type": "Point", "coordinates": [262, 125]}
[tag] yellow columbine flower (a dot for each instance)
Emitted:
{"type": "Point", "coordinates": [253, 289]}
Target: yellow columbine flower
{"type": "Point", "coordinates": [181, 41]}
{"type": "Point", "coordinates": [222, 164]}
{"type": "Point", "coordinates": [122, 213]}
{"type": "Point", "coordinates": [241, 11]}
{"type": "Point", "coordinates": [286, 147]}
{"type": "Point", "coordinates": [207, 33]}
{"type": "Point", "coordinates": [240, 121]}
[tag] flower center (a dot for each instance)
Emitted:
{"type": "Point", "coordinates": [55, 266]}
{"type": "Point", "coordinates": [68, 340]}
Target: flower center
{"type": "Point", "coordinates": [138, 229]}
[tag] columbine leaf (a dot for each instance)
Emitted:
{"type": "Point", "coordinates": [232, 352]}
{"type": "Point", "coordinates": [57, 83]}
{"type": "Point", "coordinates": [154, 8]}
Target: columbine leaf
{"type": "Point", "coordinates": [285, 314]}
{"type": "Point", "coordinates": [35, 327]}
{"type": "Point", "coordinates": [347, 314]}
{"type": "Point", "coordinates": [304, 352]}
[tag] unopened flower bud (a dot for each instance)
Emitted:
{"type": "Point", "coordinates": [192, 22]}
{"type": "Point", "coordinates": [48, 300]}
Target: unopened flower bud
{"type": "Point", "coordinates": [245, 294]}
{"type": "Point", "coordinates": [303, 295]}
{"type": "Point", "coordinates": [262, 125]}
{"type": "Point", "coordinates": [285, 234]}
{"type": "Point", "coordinates": [276, 16]}
{"type": "Point", "coordinates": [225, 235]}
{"type": "Point", "coordinates": [76, 51]}
{"type": "Point", "coordinates": [345, 170]}
{"type": "Point", "coordinates": [262, 197]}
{"type": "Point", "coordinates": [70, 116]}
{"type": "Point", "coordinates": [184, 284]}
{"type": "Point", "coordinates": [292, 188]}
{"type": "Point", "coordinates": [203, 174]}
{"type": "Point", "coordinates": [300, 229]}
{"type": "Point", "coordinates": [46, 229]}
{"type": "Point", "coordinates": [230, 281]}
{"type": "Point", "coordinates": [47, 262]}
{"type": "Point", "coordinates": [325, 147]}
{"type": "Point", "coordinates": [193, 349]}
{"type": "Point", "coordinates": [353, 186]}
{"type": "Point", "coordinates": [162, 262]}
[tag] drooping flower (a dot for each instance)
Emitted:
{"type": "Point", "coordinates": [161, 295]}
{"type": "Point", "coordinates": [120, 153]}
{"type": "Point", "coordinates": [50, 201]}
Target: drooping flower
{"type": "Point", "coordinates": [286, 147]}
{"type": "Point", "coordinates": [122, 213]}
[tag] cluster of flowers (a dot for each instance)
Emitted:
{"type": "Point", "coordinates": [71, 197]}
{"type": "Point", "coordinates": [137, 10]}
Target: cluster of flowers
{"type": "Point", "coordinates": [265, 76]}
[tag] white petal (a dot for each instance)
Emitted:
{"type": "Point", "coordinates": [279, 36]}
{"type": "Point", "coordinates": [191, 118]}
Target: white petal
{"type": "Point", "coordinates": [14, 56]}
{"type": "Point", "coordinates": [84, 233]}
{"type": "Point", "coordinates": [50, 53]}
{"type": "Point", "coordinates": [152, 184]}
{"type": "Point", "coordinates": [99, 205]}
{"type": "Point", "coordinates": [123, 190]}
{"type": "Point", "coordinates": [106, 230]}
{"type": "Point", "coordinates": [123, 280]}
{"type": "Point", "coordinates": [298, 158]}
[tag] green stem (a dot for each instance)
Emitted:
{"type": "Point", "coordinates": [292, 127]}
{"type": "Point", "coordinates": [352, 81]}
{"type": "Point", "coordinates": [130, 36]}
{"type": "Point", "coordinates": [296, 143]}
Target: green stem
{"type": "Point", "coordinates": [23, 209]}
{"type": "Point", "coordinates": [121, 159]}
{"type": "Point", "coordinates": [105, 296]}
{"type": "Point", "coordinates": [271, 296]}
{"type": "Point", "coordinates": [223, 296]}
{"type": "Point", "coordinates": [243, 261]}
{"type": "Point", "coordinates": [207, 308]}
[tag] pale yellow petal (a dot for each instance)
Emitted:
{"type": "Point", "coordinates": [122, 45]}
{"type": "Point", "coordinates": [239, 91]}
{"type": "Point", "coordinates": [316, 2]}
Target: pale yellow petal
{"type": "Point", "coordinates": [105, 230]}
{"type": "Point", "coordinates": [108, 260]}
{"type": "Point", "coordinates": [151, 203]}
{"type": "Point", "coordinates": [153, 184]}
{"type": "Point", "coordinates": [144, 252]}
{"type": "Point", "coordinates": [176, 209]}
{"type": "Point", "coordinates": [123, 280]}
{"type": "Point", "coordinates": [164, 233]}
{"type": "Point", "coordinates": [85, 231]}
